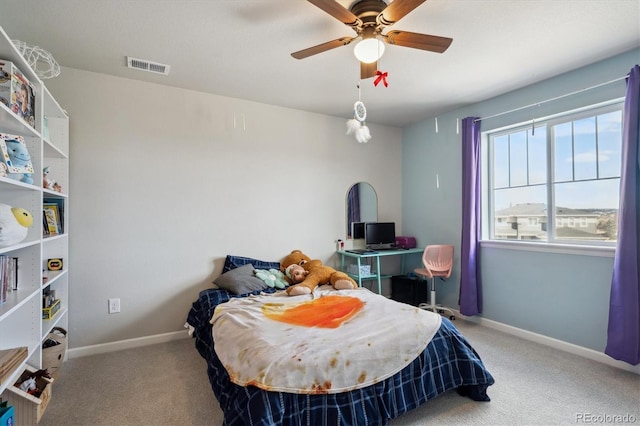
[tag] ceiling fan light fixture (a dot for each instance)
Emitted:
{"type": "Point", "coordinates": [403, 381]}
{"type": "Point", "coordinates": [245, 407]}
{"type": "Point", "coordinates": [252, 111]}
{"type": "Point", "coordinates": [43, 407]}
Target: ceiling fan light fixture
{"type": "Point", "coordinates": [369, 50]}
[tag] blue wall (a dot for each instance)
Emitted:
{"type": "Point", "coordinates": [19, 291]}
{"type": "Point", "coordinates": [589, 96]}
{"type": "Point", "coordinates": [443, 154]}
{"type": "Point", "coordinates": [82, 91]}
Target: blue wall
{"type": "Point", "coordinates": [563, 296]}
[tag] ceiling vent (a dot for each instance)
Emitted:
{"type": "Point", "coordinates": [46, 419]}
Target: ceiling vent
{"type": "Point", "coordinates": [144, 65]}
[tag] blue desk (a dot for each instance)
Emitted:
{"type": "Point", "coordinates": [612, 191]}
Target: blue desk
{"type": "Point", "coordinates": [377, 275]}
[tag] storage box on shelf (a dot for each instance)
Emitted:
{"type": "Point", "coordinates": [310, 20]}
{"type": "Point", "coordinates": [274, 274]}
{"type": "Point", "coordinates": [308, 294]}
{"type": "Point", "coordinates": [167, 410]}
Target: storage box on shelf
{"type": "Point", "coordinates": [6, 414]}
{"type": "Point", "coordinates": [21, 315]}
{"type": "Point", "coordinates": [29, 408]}
{"type": "Point", "coordinates": [365, 270]}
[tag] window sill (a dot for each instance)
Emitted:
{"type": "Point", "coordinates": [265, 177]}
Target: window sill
{"type": "Point", "coordinates": [582, 250]}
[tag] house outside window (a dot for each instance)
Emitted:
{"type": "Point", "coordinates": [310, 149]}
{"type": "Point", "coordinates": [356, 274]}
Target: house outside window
{"type": "Point", "coordinates": [557, 183]}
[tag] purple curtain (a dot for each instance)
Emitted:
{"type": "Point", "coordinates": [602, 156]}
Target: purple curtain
{"type": "Point", "coordinates": [623, 337]}
{"type": "Point", "coordinates": [470, 285]}
{"type": "Point", "coordinates": [353, 206]}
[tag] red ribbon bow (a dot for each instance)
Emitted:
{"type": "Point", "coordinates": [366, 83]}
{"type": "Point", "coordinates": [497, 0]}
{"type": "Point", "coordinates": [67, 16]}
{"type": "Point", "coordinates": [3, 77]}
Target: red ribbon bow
{"type": "Point", "coordinates": [382, 76]}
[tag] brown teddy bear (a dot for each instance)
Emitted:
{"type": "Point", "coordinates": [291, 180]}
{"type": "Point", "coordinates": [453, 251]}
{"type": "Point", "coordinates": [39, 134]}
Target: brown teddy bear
{"type": "Point", "coordinates": [316, 274]}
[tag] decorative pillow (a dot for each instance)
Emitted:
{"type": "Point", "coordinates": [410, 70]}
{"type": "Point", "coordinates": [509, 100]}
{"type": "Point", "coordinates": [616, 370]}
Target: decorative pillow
{"type": "Point", "coordinates": [272, 277]}
{"type": "Point", "coordinates": [240, 280]}
{"type": "Point", "coordinates": [233, 262]}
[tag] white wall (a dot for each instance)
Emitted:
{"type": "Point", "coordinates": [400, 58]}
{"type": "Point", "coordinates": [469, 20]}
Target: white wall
{"type": "Point", "coordinates": [163, 187]}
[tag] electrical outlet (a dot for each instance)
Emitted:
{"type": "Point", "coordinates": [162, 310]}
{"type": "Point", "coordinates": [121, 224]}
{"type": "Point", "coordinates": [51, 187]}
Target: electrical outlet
{"type": "Point", "coordinates": [114, 306]}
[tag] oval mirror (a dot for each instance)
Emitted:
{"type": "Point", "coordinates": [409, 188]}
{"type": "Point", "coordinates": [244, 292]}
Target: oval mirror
{"type": "Point", "coordinates": [362, 205]}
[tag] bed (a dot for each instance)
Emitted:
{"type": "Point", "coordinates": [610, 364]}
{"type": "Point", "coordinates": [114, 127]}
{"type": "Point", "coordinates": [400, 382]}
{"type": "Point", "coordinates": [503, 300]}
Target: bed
{"type": "Point", "coordinates": [251, 393]}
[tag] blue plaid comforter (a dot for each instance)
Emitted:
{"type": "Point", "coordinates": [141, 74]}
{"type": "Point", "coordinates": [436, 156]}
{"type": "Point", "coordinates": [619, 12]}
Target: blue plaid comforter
{"type": "Point", "coordinates": [448, 362]}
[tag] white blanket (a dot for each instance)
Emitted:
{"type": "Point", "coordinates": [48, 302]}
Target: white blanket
{"type": "Point", "coordinates": [364, 340]}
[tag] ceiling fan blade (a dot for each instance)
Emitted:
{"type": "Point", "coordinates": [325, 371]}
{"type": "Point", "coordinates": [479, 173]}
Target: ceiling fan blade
{"type": "Point", "coordinates": [310, 51]}
{"type": "Point", "coordinates": [336, 10]}
{"type": "Point", "coordinates": [397, 10]}
{"type": "Point", "coordinates": [418, 41]}
{"type": "Point", "coordinates": [368, 70]}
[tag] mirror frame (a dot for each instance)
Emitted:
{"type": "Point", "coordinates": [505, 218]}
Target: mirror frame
{"type": "Point", "coordinates": [368, 197]}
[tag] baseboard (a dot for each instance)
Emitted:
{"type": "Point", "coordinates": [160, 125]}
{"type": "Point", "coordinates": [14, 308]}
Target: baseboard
{"type": "Point", "coordinates": [515, 331]}
{"type": "Point", "coordinates": [554, 343]}
{"type": "Point", "coordinates": [126, 344]}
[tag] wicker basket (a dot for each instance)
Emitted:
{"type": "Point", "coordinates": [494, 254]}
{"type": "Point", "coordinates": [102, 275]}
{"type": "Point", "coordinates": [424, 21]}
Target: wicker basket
{"type": "Point", "coordinates": [53, 356]}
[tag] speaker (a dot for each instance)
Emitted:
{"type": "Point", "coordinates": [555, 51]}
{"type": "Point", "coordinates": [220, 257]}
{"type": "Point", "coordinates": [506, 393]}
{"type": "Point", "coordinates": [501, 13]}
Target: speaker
{"type": "Point", "coordinates": [409, 289]}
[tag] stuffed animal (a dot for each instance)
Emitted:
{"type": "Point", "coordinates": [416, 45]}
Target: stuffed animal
{"type": "Point", "coordinates": [19, 157]}
{"type": "Point", "coordinates": [14, 224]}
{"type": "Point", "coordinates": [272, 278]}
{"type": "Point", "coordinates": [296, 273]}
{"type": "Point", "coordinates": [47, 183]}
{"type": "Point", "coordinates": [317, 274]}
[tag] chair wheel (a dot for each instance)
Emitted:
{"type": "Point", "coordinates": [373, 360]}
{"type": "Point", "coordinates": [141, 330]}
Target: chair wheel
{"type": "Point", "coordinates": [452, 317]}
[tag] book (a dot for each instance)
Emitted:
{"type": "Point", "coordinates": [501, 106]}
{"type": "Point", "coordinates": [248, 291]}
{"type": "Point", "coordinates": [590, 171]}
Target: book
{"type": "Point", "coordinates": [59, 202]}
{"type": "Point", "coordinates": [52, 216]}
{"type": "Point", "coordinates": [12, 274]}
{"type": "Point", "coordinates": [15, 270]}
{"type": "Point", "coordinates": [4, 278]}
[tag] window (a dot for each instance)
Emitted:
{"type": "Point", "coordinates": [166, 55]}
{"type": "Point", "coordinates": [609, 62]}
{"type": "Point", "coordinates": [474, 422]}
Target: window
{"type": "Point", "coordinates": [557, 182]}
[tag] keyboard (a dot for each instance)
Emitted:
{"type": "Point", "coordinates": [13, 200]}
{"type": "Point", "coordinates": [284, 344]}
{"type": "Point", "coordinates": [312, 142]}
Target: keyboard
{"type": "Point", "coordinates": [360, 251]}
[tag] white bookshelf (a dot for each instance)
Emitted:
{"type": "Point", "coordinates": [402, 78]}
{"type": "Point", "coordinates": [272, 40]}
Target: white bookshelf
{"type": "Point", "coordinates": [21, 322]}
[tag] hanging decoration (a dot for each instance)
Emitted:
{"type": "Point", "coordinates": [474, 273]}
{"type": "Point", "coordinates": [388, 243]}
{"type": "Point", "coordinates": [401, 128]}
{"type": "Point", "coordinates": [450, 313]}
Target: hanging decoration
{"type": "Point", "coordinates": [381, 76]}
{"type": "Point", "coordinates": [356, 125]}
{"type": "Point", "coordinates": [40, 60]}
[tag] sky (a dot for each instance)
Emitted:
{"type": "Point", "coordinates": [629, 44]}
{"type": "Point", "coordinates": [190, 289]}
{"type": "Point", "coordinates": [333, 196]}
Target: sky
{"type": "Point", "coordinates": [586, 163]}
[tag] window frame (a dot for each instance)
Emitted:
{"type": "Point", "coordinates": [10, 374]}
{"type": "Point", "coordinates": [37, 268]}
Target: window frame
{"type": "Point", "coordinates": [552, 244]}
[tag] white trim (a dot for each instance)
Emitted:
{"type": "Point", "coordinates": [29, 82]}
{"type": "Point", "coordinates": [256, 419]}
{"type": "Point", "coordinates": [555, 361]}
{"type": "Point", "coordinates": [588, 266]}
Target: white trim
{"type": "Point", "coordinates": [582, 250]}
{"type": "Point", "coordinates": [485, 133]}
{"type": "Point", "coordinates": [554, 343]}
{"type": "Point", "coordinates": [126, 344]}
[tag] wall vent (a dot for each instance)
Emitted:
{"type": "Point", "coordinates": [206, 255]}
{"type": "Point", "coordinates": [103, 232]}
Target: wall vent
{"type": "Point", "coordinates": [144, 65]}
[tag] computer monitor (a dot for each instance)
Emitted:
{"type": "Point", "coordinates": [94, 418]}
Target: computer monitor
{"type": "Point", "coordinates": [379, 234]}
{"type": "Point", "coordinates": [357, 230]}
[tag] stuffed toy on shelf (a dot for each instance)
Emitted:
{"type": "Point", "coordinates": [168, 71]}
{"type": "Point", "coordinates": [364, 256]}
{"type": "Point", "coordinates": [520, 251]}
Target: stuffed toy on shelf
{"type": "Point", "coordinates": [19, 158]}
{"type": "Point", "coordinates": [47, 182]}
{"type": "Point", "coordinates": [14, 224]}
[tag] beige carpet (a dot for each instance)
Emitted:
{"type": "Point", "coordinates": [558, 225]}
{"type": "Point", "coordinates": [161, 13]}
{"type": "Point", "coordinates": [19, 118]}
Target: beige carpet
{"type": "Point", "coordinates": [166, 384]}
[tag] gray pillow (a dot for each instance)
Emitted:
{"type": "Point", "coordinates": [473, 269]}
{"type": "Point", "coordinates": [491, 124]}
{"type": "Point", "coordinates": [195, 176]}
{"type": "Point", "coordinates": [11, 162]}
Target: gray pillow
{"type": "Point", "coordinates": [240, 280]}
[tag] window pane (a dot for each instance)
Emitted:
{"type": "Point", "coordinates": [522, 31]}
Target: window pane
{"type": "Point", "coordinates": [587, 210]}
{"type": "Point", "coordinates": [563, 160]}
{"type": "Point", "coordinates": [572, 162]}
{"type": "Point", "coordinates": [584, 146]}
{"type": "Point", "coordinates": [501, 162]}
{"type": "Point", "coordinates": [518, 158]}
{"type": "Point", "coordinates": [609, 144]}
{"type": "Point", "coordinates": [538, 156]}
{"type": "Point", "coordinates": [520, 213]}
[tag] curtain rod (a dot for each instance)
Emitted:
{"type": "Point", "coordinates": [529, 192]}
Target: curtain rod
{"type": "Point", "coordinates": [552, 99]}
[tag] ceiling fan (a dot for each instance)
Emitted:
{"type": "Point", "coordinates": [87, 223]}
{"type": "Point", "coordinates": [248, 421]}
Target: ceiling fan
{"type": "Point", "coordinates": [368, 18]}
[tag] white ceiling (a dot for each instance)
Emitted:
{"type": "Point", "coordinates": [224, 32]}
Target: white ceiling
{"type": "Point", "coordinates": [241, 48]}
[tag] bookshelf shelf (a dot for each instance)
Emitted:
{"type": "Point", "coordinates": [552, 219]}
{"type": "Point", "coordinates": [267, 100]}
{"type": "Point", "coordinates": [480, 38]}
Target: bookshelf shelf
{"type": "Point", "coordinates": [21, 323]}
